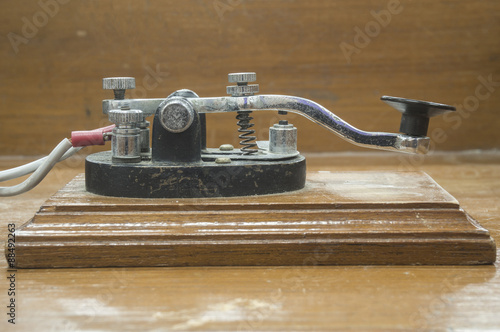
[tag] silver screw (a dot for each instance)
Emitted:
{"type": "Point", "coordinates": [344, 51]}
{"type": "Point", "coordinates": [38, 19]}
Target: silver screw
{"type": "Point", "coordinates": [118, 85]}
{"type": "Point", "coordinates": [126, 118]}
{"type": "Point", "coordinates": [242, 88]}
{"type": "Point", "coordinates": [241, 77]}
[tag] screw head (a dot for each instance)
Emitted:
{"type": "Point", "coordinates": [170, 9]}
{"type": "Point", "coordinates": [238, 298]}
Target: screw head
{"type": "Point", "coordinates": [222, 160]}
{"type": "Point", "coordinates": [118, 83]}
{"type": "Point", "coordinates": [226, 147]}
{"type": "Point", "coordinates": [125, 117]}
{"type": "Point", "coordinates": [241, 77]}
{"type": "Point", "coordinates": [177, 115]}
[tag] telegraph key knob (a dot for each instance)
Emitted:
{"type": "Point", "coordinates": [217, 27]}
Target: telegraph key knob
{"type": "Point", "coordinates": [416, 113]}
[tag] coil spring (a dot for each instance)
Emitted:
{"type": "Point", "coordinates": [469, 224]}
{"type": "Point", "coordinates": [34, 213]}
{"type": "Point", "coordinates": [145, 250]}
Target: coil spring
{"type": "Point", "coordinates": [247, 139]}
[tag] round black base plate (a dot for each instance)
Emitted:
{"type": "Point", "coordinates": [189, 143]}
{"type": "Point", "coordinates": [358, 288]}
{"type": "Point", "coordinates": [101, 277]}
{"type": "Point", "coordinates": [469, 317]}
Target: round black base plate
{"type": "Point", "coordinates": [192, 180]}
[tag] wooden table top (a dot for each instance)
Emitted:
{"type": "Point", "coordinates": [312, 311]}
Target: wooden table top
{"type": "Point", "coordinates": [269, 298]}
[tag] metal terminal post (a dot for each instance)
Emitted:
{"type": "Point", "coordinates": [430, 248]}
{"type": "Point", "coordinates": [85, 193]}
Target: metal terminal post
{"type": "Point", "coordinates": [126, 140]}
{"type": "Point", "coordinates": [283, 138]}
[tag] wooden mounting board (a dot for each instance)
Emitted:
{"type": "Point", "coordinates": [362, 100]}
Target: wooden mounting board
{"type": "Point", "coordinates": [347, 218]}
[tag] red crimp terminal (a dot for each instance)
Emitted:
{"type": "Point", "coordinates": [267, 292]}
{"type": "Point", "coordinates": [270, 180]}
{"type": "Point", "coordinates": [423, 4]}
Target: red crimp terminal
{"type": "Point", "coordinates": [90, 137]}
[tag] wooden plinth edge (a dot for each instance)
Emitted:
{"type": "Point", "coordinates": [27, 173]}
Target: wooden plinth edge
{"type": "Point", "coordinates": [344, 218]}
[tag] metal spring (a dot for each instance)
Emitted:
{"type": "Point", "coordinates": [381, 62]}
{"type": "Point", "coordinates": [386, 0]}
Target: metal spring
{"type": "Point", "coordinates": [247, 141]}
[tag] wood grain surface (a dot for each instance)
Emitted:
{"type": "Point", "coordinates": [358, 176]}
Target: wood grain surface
{"type": "Point", "coordinates": [340, 218]}
{"type": "Point", "coordinates": [54, 53]}
{"type": "Point", "coordinates": [271, 298]}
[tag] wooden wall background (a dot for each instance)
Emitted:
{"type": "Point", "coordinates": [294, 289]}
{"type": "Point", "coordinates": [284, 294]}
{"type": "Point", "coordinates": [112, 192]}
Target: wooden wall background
{"type": "Point", "coordinates": [430, 50]}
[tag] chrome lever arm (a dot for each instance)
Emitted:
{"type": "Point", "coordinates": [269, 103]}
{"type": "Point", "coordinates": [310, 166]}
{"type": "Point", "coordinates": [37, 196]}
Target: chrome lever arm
{"type": "Point", "coordinates": [318, 114]}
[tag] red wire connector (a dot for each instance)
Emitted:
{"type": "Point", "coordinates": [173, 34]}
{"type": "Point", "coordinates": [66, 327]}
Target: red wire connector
{"type": "Point", "coordinates": [90, 137]}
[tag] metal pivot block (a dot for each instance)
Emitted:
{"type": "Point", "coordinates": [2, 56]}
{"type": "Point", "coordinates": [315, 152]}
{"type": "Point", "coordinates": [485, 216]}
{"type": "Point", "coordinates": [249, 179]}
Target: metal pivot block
{"type": "Point", "coordinates": [177, 132]}
{"type": "Point", "coordinates": [283, 138]}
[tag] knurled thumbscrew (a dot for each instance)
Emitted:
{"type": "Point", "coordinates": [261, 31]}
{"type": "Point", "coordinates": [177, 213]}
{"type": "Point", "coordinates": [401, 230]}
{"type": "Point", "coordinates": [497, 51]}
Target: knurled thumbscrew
{"type": "Point", "coordinates": [126, 118]}
{"type": "Point", "coordinates": [118, 85]}
{"type": "Point", "coordinates": [242, 88]}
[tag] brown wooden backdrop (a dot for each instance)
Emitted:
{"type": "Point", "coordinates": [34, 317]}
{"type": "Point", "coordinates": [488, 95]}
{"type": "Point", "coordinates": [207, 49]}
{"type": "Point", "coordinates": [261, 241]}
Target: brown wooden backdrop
{"type": "Point", "coordinates": [54, 53]}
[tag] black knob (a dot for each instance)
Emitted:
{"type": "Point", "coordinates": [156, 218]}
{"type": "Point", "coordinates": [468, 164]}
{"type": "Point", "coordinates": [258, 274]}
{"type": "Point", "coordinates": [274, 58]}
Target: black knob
{"type": "Point", "coordinates": [416, 113]}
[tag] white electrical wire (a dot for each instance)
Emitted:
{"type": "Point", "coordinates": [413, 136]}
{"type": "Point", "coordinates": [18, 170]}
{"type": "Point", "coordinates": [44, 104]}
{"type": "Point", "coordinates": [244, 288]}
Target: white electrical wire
{"type": "Point", "coordinates": [41, 171]}
{"type": "Point", "coordinates": [17, 172]}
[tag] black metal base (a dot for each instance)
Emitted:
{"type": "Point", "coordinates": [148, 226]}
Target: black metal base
{"type": "Point", "coordinates": [192, 180]}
